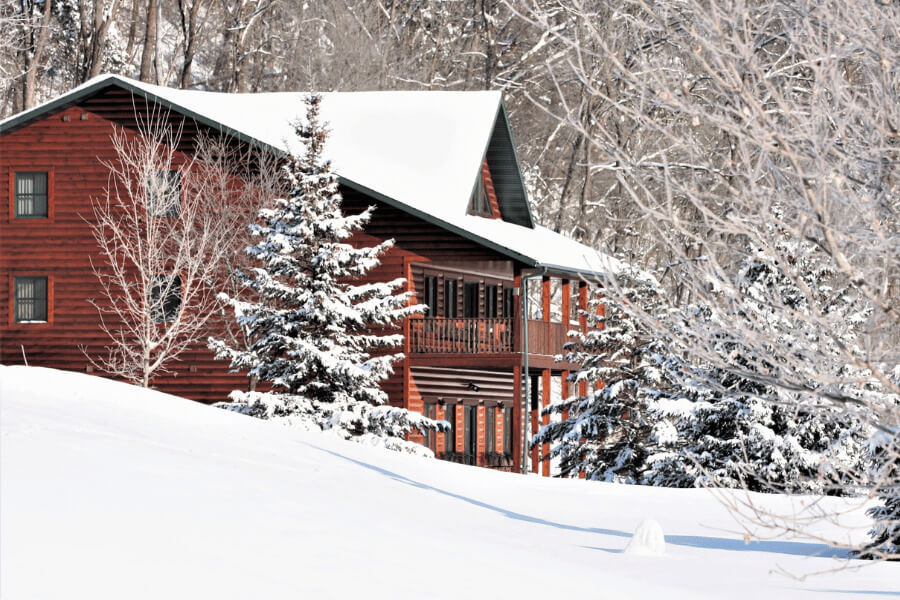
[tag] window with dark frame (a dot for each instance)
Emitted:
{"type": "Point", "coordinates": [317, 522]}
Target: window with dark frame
{"type": "Point", "coordinates": [30, 299]}
{"type": "Point", "coordinates": [430, 413]}
{"type": "Point", "coordinates": [450, 302]}
{"type": "Point", "coordinates": [165, 298]}
{"type": "Point", "coordinates": [164, 194]}
{"type": "Point", "coordinates": [490, 427]}
{"type": "Point", "coordinates": [490, 301]}
{"type": "Point", "coordinates": [450, 436]}
{"type": "Point", "coordinates": [509, 309]}
{"type": "Point", "coordinates": [470, 300]}
{"type": "Point", "coordinates": [507, 430]}
{"type": "Point", "coordinates": [431, 296]}
{"type": "Point", "coordinates": [470, 434]}
{"type": "Point", "coordinates": [480, 203]}
{"type": "Point", "coordinates": [31, 195]}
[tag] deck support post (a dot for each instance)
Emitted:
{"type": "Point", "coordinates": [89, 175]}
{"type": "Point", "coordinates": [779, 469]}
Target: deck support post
{"type": "Point", "coordinates": [566, 294]}
{"type": "Point", "coordinates": [582, 322]}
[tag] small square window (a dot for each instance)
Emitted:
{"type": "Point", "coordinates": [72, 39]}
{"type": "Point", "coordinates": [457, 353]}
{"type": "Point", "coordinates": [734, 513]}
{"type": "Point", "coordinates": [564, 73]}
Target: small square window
{"type": "Point", "coordinates": [30, 300]}
{"type": "Point", "coordinates": [164, 194]}
{"type": "Point", "coordinates": [31, 195]}
{"type": "Point", "coordinates": [165, 298]}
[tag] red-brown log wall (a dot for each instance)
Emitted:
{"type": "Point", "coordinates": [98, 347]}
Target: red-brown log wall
{"type": "Point", "coordinates": [72, 145]}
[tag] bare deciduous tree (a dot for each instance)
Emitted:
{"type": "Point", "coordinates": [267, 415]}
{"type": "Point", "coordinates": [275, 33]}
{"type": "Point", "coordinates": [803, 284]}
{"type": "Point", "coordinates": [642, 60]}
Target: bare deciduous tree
{"type": "Point", "coordinates": [741, 129]}
{"type": "Point", "coordinates": [164, 238]}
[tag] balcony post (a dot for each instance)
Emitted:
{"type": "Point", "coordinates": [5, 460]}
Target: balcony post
{"type": "Point", "coordinates": [566, 294]}
{"type": "Point", "coordinates": [582, 321]}
{"type": "Point", "coordinates": [518, 420]}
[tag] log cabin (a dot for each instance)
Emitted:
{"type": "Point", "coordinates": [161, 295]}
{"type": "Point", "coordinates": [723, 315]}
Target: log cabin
{"type": "Point", "coordinates": [441, 169]}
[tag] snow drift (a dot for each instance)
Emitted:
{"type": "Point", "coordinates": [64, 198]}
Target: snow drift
{"type": "Point", "coordinates": [110, 491]}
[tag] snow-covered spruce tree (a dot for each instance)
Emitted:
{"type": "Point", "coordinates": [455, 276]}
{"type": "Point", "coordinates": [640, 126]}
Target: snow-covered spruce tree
{"type": "Point", "coordinates": [740, 431]}
{"type": "Point", "coordinates": [608, 432]}
{"type": "Point", "coordinates": [313, 329]}
{"type": "Point", "coordinates": [885, 534]}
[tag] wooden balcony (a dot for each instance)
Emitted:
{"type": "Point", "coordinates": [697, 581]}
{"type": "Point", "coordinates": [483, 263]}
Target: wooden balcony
{"type": "Point", "coordinates": [461, 336]}
{"type": "Point", "coordinates": [546, 337]}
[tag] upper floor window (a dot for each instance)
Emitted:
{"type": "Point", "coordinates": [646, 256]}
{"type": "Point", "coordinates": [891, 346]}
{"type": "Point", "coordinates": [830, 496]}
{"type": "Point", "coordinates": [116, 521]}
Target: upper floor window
{"type": "Point", "coordinates": [480, 203]}
{"type": "Point", "coordinates": [31, 194]}
{"type": "Point", "coordinates": [431, 296]}
{"type": "Point", "coordinates": [450, 300]}
{"type": "Point", "coordinates": [165, 298]}
{"type": "Point", "coordinates": [164, 194]}
{"type": "Point", "coordinates": [30, 299]}
{"type": "Point", "coordinates": [490, 301]}
{"type": "Point", "coordinates": [509, 308]}
{"type": "Point", "coordinates": [470, 299]}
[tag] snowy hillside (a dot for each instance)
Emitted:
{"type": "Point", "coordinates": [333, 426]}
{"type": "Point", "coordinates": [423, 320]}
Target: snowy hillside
{"type": "Point", "coordinates": [109, 491]}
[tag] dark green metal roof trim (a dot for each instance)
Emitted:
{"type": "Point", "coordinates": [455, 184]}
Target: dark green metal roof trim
{"type": "Point", "coordinates": [512, 145]}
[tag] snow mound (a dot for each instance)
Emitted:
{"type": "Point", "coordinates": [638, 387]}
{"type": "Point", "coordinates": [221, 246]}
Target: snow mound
{"type": "Point", "coordinates": [648, 540]}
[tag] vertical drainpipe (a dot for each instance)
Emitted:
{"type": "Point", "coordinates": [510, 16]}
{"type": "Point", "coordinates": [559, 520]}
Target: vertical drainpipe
{"type": "Point", "coordinates": [525, 279]}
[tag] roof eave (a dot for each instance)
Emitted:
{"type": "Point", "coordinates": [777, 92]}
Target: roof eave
{"type": "Point", "coordinates": [460, 231]}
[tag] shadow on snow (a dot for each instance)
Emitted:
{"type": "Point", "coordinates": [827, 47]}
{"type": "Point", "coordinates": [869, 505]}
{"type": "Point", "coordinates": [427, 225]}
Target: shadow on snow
{"type": "Point", "coordinates": [692, 541]}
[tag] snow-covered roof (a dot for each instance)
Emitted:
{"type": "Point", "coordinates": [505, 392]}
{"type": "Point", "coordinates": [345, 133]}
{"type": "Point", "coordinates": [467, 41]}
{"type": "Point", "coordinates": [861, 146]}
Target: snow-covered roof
{"type": "Point", "coordinates": [421, 151]}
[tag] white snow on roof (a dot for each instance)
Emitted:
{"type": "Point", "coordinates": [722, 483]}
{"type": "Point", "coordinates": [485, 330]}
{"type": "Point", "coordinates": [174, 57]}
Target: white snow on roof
{"type": "Point", "coordinates": [422, 149]}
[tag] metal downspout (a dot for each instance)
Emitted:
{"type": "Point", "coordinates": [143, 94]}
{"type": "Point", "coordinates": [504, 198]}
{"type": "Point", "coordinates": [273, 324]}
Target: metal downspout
{"type": "Point", "coordinates": [525, 373]}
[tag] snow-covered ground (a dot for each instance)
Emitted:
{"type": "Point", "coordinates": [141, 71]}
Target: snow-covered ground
{"type": "Point", "coordinates": [110, 491]}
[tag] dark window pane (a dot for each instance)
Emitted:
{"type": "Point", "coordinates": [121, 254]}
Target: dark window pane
{"type": "Point", "coordinates": [450, 436]}
{"type": "Point", "coordinates": [31, 195]}
{"type": "Point", "coordinates": [30, 299]}
{"type": "Point", "coordinates": [490, 425]}
{"type": "Point", "coordinates": [470, 300]}
{"type": "Point", "coordinates": [508, 302]}
{"type": "Point", "coordinates": [431, 295]}
{"type": "Point", "coordinates": [470, 435]}
{"type": "Point", "coordinates": [507, 430]}
{"type": "Point", "coordinates": [485, 201]}
{"type": "Point", "coordinates": [165, 298]}
{"type": "Point", "coordinates": [164, 194]}
{"type": "Point", "coordinates": [450, 298]}
{"type": "Point", "coordinates": [490, 301]}
{"type": "Point", "coordinates": [429, 433]}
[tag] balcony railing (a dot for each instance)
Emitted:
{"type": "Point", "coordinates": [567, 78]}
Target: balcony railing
{"type": "Point", "coordinates": [461, 336]}
{"type": "Point", "coordinates": [547, 338]}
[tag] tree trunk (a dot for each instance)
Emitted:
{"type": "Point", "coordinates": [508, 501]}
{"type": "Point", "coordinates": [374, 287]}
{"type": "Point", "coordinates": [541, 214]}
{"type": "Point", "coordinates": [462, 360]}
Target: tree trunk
{"type": "Point", "coordinates": [33, 56]}
{"type": "Point", "coordinates": [150, 33]}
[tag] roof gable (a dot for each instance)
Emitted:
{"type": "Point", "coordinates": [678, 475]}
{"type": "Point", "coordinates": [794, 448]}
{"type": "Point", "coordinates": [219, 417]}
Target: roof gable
{"type": "Point", "coordinates": [503, 162]}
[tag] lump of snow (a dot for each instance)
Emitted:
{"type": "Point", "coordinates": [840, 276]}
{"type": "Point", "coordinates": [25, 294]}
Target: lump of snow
{"type": "Point", "coordinates": [648, 540]}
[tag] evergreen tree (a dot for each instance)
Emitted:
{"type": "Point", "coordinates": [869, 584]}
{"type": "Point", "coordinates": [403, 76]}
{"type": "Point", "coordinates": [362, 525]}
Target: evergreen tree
{"type": "Point", "coordinates": [885, 532]}
{"type": "Point", "coordinates": [742, 431]}
{"type": "Point", "coordinates": [314, 330]}
{"type": "Point", "coordinates": [607, 433]}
